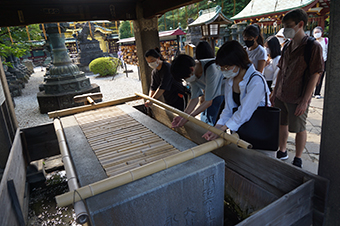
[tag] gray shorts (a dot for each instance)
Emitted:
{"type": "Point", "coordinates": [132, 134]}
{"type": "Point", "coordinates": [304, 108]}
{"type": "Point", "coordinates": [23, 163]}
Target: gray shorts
{"type": "Point", "coordinates": [296, 124]}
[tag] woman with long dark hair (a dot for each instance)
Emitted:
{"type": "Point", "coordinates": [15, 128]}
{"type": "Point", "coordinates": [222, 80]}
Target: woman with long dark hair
{"type": "Point", "coordinates": [162, 82]}
{"type": "Point", "coordinates": [273, 49]}
{"type": "Point", "coordinates": [253, 39]}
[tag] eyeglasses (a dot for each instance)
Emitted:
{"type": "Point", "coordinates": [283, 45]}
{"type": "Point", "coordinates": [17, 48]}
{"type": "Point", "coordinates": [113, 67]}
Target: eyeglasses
{"type": "Point", "coordinates": [223, 68]}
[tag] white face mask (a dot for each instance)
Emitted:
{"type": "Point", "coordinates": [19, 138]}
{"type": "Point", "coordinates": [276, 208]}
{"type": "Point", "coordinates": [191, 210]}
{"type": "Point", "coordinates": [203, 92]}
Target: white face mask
{"type": "Point", "coordinates": [230, 73]}
{"type": "Point", "coordinates": [154, 64]}
{"type": "Point", "coordinates": [268, 50]}
{"type": "Point", "coordinates": [317, 35]}
{"type": "Point", "coordinates": [191, 78]}
{"type": "Point", "coordinates": [289, 33]}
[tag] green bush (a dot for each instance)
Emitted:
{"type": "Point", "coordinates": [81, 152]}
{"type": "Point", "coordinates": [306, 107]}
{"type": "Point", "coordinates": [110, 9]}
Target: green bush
{"type": "Point", "coordinates": [104, 66]}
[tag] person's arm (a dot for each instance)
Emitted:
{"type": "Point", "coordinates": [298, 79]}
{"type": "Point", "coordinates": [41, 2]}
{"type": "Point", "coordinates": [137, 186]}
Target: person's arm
{"type": "Point", "coordinates": [178, 121]}
{"type": "Point", "coordinates": [212, 136]}
{"type": "Point", "coordinates": [302, 106]}
{"type": "Point", "coordinates": [260, 65]}
{"type": "Point", "coordinates": [154, 94]}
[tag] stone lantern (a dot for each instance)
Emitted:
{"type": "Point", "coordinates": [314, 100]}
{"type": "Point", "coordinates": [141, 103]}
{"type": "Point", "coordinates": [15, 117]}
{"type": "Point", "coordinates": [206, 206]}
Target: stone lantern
{"type": "Point", "coordinates": [65, 80]}
{"type": "Point", "coordinates": [210, 21]}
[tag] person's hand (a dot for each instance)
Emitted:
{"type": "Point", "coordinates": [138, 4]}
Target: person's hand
{"type": "Point", "coordinates": [210, 136]}
{"type": "Point", "coordinates": [267, 62]}
{"type": "Point", "coordinates": [178, 122]}
{"type": "Point", "coordinates": [148, 103]}
{"type": "Point", "coordinates": [301, 108]}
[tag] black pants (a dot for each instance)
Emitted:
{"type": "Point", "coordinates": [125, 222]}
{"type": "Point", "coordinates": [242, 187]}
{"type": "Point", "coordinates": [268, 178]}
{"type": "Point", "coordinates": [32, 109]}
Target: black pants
{"type": "Point", "coordinates": [179, 104]}
{"type": "Point", "coordinates": [319, 84]}
{"type": "Point", "coordinates": [269, 83]}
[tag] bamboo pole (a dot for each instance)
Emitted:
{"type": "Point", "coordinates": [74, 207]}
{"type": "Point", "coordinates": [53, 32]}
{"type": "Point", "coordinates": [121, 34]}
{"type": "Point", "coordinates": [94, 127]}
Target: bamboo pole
{"type": "Point", "coordinates": [226, 136]}
{"type": "Point", "coordinates": [10, 36]}
{"type": "Point", "coordinates": [138, 173]}
{"type": "Point", "coordinates": [28, 34]}
{"type": "Point", "coordinates": [70, 111]}
{"type": "Point", "coordinates": [79, 207]}
{"type": "Point", "coordinates": [59, 30]}
{"type": "Point", "coordinates": [43, 27]}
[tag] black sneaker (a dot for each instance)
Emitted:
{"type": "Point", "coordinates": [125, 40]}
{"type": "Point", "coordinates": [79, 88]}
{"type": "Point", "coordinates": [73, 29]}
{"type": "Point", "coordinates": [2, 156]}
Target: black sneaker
{"type": "Point", "coordinates": [282, 155]}
{"type": "Point", "coordinates": [297, 162]}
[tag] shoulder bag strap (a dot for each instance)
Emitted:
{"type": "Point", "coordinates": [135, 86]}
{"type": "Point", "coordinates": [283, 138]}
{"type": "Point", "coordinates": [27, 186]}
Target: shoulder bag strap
{"type": "Point", "coordinates": [265, 91]}
{"type": "Point", "coordinates": [207, 65]}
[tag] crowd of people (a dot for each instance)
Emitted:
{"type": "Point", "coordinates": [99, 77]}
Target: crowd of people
{"type": "Point", "coordinates": [224, 91]}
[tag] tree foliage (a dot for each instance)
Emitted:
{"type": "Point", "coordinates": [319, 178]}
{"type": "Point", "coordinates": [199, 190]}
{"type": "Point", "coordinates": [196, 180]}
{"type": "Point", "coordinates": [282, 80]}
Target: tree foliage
{"type": "Point", "coordinates": [170, 20]}
{"type": "Point", "coordinates": [125, 29]}
{"type": "Point", "coordinates": [21, 43]}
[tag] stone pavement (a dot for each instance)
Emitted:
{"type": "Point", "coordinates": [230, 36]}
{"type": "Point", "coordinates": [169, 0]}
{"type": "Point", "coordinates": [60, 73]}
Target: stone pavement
{"type": "Point", "coordinates": [310, 156]}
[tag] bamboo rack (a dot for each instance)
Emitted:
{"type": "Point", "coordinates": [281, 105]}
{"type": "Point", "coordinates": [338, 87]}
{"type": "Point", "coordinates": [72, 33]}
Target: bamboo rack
{"type": "Point", "coordinates": [138, 173]}
{"type": "Point", "coordinates": [224, 135]}
{"type": "Point", "coordinates": [119, 141]}
{"type": "Point", "coordinates": [70, 111]}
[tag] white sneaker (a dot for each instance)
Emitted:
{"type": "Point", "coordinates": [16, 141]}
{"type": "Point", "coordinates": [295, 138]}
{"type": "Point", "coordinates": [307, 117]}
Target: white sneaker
{"type": "Point", "coordinates": [317, 97]}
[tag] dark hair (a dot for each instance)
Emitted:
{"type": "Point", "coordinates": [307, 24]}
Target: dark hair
{"type": "Point", "coordinates": [274, 46]}
{"type": "Point", "coordinates": [156, 53]}
{"type": "Point", "coordinates": [232, 53]}
{"type": "Point", "coordinates": [318, 27]}
{"type": "Point", "coordinates": [296, 15]}
{"type": "Point", "coordinates": [204, 51]}
{"type": "Point", "coordinates": [180, 67]}
{"type": "Point", "coordinates": [254, 31]}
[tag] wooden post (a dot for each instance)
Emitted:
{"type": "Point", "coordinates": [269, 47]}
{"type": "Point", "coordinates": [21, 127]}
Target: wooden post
{"type": "Point", "coordinates": [329, 166]}
{"type": "Point", "coordinates": [164, 21]}
{"type": "Point", "coordinates": [146, 34]}
{"type": "Point", "coordinates": [8, 121]}
{"type": "Point", "coordinates": [15, 202]}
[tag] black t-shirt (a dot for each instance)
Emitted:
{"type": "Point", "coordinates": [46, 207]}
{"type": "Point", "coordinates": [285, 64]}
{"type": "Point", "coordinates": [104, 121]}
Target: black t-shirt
{"type": "Point", "coordinates": [163, 79]}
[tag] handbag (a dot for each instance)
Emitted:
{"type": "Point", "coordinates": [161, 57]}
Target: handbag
{"type": "Point", "coordinates": [262, 129]}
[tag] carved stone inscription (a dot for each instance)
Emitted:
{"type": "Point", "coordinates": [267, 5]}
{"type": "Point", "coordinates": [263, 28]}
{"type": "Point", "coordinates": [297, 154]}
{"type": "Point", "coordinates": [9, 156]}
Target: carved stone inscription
{"type": "Point", "coordinates": [208, 197]}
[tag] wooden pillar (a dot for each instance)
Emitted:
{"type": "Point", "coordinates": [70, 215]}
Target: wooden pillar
{"type": "Point", "coordinates": [8, 121]}
{"type": "Point", "coordinates": [146, 34]}
{"type": "Point", "coordinates": [329, 166]}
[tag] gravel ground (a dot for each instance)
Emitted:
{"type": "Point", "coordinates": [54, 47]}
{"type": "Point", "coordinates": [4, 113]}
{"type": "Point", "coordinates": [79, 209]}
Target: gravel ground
{"type": "Point", "coordinates": [27, 107]}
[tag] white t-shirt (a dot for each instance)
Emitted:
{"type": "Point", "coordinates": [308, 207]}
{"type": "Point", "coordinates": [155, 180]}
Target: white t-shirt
{"type": "Point", "coordinates": [211, 82]}
{"type": "Point", "coordinates": [257, 54]}
{"type": "Point", "coordinates": [324, 48]}
{"type": "Point", "coordinates": [271, 70]}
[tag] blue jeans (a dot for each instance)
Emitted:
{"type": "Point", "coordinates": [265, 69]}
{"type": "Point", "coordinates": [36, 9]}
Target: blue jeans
{"type": "Point", "coordinates": [211, 114]}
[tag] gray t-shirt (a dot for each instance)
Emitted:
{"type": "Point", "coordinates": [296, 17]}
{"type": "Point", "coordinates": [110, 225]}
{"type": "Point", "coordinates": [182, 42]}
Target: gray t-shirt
{"type": "Point", "coordinates": [211, 82]}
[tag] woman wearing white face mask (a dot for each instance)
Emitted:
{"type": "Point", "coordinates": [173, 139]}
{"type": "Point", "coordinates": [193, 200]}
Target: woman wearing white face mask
{"type": "Point", "coordinates": [317, 33]}
{"type": "Point", "coordinates": [244, 90]}
{"type": "Point", "coordinates": [162, 82]}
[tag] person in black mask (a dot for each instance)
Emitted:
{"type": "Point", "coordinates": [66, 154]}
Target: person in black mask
{"type": "Point", "coordinates": [253, 39]}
